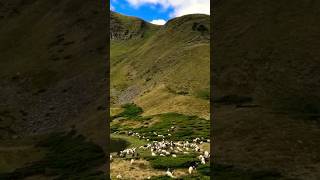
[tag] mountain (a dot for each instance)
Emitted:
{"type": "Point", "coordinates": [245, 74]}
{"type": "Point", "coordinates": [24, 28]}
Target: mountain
{"type": "Point", "coordinates": [161, 68]}
{"type": "Point", "coordinates": [160, 79]}
{"type": "Point", "coordinates": [52, 78]}
{"type": "Point", "coordinates": [267, 86]}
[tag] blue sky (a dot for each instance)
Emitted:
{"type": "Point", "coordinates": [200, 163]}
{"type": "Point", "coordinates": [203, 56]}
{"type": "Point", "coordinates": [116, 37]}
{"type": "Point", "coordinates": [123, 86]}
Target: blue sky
{"type": "Point", "coordinates": [159, 11]}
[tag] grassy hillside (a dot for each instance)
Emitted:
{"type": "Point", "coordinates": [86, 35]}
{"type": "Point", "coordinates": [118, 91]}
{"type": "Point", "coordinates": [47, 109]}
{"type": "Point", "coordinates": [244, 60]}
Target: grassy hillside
{"type": "Point", "coordinates": [163, 73]}
{"type": "Point", "coordinates": [170, 60]}
{"type": "Point", "coordinates": [52, 74]}
{"type": "Point", "coordinates": [267, 86]}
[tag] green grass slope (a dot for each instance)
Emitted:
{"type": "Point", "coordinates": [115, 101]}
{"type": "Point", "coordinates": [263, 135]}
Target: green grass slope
{"type": "Point", "coordinates": [173, 57]}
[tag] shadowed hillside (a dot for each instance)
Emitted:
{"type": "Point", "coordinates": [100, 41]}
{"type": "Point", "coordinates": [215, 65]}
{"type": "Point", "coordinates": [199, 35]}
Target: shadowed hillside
{"type": "Point", "coordinates": [52, 76]}
{"type": "Point", "coordinates": [266, 82]}
{"type": "Point", "coordinates": [268, 53]}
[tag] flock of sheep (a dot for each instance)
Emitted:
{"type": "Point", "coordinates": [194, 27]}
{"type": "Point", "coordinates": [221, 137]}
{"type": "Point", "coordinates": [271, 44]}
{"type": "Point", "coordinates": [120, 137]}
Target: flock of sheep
{"type": "Point", "coordinates": [167, 148]}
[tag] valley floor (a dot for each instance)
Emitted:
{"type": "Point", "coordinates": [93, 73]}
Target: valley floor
{"type": "Point", "coordinates": [158, 142]}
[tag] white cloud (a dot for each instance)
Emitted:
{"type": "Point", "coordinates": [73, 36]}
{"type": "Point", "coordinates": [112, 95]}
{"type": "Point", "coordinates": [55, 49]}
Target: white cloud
{"type": "Point", "coordinates": [158, 21]}
{"type": "Point", "coordinates": [180, 7]}
{"type": "Point", "coordinates": [112, 8]}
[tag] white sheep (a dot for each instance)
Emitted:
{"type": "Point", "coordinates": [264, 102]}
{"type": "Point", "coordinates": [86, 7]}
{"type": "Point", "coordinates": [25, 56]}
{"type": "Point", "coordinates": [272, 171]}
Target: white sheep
{"type": "Point", "coordinates": [203, 161]}
{"type": "Point", "coordinates": [170, 174]}
{"type": "Point", "coordinates": [206, 154]}
{"type": "Point", "coordinates": [191, 169]}
{"type": "Point", "coordinates": [119, 176]}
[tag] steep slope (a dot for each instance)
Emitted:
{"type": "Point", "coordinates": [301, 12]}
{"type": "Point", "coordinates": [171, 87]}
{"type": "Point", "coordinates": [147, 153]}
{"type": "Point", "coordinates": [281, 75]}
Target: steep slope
{"type": "Point", "coordinates": [267, 86]}
{"type": "Point", "coordinates": [52, 72]}
{"type": "Point", "coordinates": [258, 51]}
{"type": "Point", "coordinates": [168, 62]}
{"type": "Point", "coordinates": [51, 62]}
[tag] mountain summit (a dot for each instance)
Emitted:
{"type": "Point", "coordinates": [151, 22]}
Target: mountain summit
{"type": "Point", "coordinates": [126, 27]}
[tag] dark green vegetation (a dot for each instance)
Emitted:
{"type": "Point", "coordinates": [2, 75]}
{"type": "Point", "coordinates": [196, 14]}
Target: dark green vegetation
{"type": "Point", "coordinates": [118, 144]}
{"type": "Point", "coordinates": [186, 127]}
{"type": "Point", "coordinates": [131, 111]}
{"type": "Point", "coordinates": [267, 55]}
{"type": "Point", "coordinates": [204, 169]}
{"type": "Point", "coordinates": [52, 73]}
{"type": "Point", "coordinates": [204, 94]}
{"type": "Point", "coordinates": [182, 178]}
{"type": "Point", "coordinates": [69, 156]}
{"type": "Point", "coordinates": [183, 161]}
{"type": "Point", "coordinates": [225, 172]}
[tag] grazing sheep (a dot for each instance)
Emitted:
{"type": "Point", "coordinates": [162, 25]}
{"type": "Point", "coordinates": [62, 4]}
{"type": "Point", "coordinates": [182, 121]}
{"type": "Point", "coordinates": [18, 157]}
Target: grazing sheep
{"type": "Point", "coordinates": [203, 161]}
{"type": "Point", "coordinates": [173, 155]}
{"type": "Point", "coordinates": [170, 174]}
{"type": "Point", "coordinates": [197, 149]}
{"type": "Point", "coordinates": [119, 176]}
{"type": "Point", "coordinates": [206, 154]}
{"type": "Point", "coordinates": [200, 157]}
{"type": "Point", "coordinates": [191, 168]}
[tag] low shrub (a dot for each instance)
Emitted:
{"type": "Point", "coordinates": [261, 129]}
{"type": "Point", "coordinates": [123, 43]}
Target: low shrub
{"type": "Point", "coordinates": [203, 94]}
{"type": "Point", "coordinates": [183, 161]}
{"type": "Point", "coordinates": [131, 111]}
